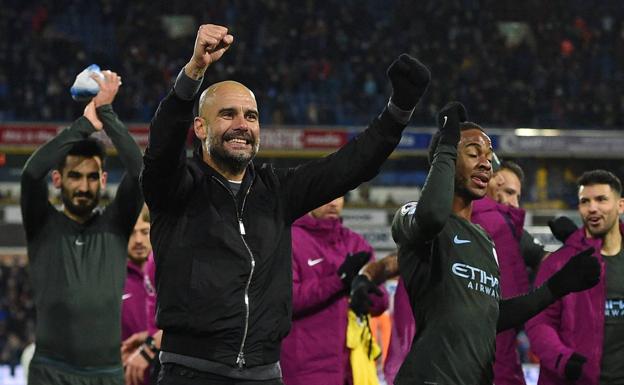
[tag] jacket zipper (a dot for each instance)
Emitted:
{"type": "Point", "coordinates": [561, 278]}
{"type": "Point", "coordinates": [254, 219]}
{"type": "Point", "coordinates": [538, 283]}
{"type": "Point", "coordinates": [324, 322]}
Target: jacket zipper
{"type": "Point", "coordinates": [240, 358]}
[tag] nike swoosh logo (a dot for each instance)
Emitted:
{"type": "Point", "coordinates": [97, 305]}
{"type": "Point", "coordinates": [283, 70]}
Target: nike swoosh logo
{"type": "Point", "coordinates": [444, 123]}
{"type": "Point", "coordinates": [458, 241]}
{"type": "Point", "coordinates": [126, 296]}
{"type": "Point", "coordinates": [312, 262]}
{"type": "Point", "coordinates": [79, 242]}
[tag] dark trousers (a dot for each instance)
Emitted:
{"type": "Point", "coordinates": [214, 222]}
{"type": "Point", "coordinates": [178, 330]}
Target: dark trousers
{"type": "Point", "coordinates": [172, 374]}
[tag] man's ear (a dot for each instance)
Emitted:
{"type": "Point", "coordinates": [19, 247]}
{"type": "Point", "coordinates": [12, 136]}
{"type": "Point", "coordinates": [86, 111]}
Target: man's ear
{"type": "Point", "coordinates": [103, 179]}
{"type": "Point", "coordinates": [57, 178]}
{"type": "Point", "coordinates": [199, 126]}
{"type": "Point", "coordinates": [621, 206]}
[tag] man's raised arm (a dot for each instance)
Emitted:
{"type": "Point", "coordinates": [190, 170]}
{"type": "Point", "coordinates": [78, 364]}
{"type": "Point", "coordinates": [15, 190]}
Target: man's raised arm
{"type": "Point", "coordinates": [128, 200]}
{"type": "Point", "coordinates": [165, 155]}
{"type": "Point", "coordinates": [422, 221]}
{"type": "Point", "coordinates": [34, 188]}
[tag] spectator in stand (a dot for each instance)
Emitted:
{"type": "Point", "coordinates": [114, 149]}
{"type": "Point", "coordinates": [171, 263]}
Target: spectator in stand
{"type": "Point", "coordinates": [17, 313]}
{"type": "Point", "coordinates": [561, 70]}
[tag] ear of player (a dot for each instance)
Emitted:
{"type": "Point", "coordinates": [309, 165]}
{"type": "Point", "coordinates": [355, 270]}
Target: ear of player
{"type": "Point", "coordinates": [580, 273]}
{"type": "Point", "coordinates": [409, 79]}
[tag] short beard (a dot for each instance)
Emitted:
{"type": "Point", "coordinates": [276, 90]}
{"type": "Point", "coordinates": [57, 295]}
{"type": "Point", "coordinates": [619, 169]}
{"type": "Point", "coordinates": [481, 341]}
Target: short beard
{"type": "Point", "coordinates": [600, 234]}
{"type": "Point", "coordinates": [463, 191]}
{"type": "Point", "coordinates": [80, 211]}
{"type": "Point", "coordinates": [233, 164]}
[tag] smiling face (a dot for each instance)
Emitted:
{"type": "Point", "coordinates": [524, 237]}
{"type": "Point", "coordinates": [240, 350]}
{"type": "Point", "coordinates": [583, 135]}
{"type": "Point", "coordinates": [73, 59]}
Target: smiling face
{"type": "Point", "coordinates": [228, 127]}
{"type": "Point", "coordinates": [599, 207]}
{"type": "Point", "coordinates": [473, 168]}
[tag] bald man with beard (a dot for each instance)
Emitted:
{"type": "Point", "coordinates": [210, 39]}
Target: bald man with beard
{"type": "Point", "coordinates": [221, 227]}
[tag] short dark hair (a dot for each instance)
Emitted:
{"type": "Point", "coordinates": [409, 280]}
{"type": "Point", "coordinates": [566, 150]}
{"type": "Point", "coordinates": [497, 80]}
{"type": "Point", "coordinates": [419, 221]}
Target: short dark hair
{"type": "Point", "coordinates": [513, 167]}
{"type": "Point", "coordinates": [593, 177]}
{"type": "Point", "coordinates": [435, 139]}
{"type": "Point", "coordinates": [88, 148]}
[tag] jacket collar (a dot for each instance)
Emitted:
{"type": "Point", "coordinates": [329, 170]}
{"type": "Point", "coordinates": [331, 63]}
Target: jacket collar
{"type": "Point", "coordinates": [579, 241]}
{"type": "Point", "coordinates": [250, 171]}
{"type": "Point", "coordinates": [134, 269]}
{"type": "Point", "coordinates": [488, 204]}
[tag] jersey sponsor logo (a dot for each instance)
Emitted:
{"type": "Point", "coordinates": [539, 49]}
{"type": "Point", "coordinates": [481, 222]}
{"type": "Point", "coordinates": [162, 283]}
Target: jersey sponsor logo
{"type": "Point", "coordinates": [409, 208]}
{"type": "Point", "coordinates": [312, 262]}
{"type": "Point", "coordinates": [614, 308]}
{"type": "Point", "coordinates": [478, 280]}
{"type": "Point", "coordinates": [458, 241]}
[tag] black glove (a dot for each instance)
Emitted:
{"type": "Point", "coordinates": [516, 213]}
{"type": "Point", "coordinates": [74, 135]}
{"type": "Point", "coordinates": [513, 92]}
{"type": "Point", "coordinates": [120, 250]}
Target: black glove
{"type": "Point", "coordinates": [582, 272]}
{"type": "Point", "coordinates": [351, 267]}
{"type": "Point", "coordinates": [448, 132]}
{"type": "Point", "coordinates": [361, 287]}
{"type": "Point", "coordinates": [561, 228]}
{"type": "Point", "coordinates": [449, 118]}
{"type": "Point", "coordinates": [574, 367]}
{"type": "Point", "coordinates": [409, 79]}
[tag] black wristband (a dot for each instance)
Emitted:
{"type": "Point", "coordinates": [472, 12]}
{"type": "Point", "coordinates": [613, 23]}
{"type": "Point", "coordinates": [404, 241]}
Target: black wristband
{"type": "Point", "coordinates": [149, 341]}
{"type": "Point", "coordinates": [145, 355]}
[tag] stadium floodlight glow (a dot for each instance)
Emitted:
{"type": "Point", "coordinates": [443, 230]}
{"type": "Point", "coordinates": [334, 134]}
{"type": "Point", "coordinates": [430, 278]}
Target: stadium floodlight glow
{"type": "Point", "coordinates": [537, 132]}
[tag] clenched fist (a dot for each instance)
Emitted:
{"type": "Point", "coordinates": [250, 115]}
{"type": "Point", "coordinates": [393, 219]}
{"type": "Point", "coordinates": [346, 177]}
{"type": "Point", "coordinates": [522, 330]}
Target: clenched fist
{"type": "Point", "coordinates": [210, 44]}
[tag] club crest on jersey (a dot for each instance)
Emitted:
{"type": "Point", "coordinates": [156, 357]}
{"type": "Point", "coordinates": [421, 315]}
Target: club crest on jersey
{"type": "Point", "coordinates": [409, 208]}
{"type": "Point", "coordinates": [478, 280]}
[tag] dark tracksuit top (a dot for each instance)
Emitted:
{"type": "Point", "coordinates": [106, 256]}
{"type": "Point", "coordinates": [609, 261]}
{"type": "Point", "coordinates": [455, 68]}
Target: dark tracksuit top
{"type": "Point", "coordinates": [451, 275]}
{"type": "Point", "coordinates": [78, 270]}
{"type": "Point", "coordinates": [223, 262]}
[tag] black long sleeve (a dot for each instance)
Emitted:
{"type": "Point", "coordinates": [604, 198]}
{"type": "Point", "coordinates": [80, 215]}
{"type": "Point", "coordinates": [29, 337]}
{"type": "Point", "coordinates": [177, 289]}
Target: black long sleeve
{"type": "Point", "coordinates": [435, 204]}
{"type": "Point", "coordinates": [34, 188]}
{"type": "Point", "coordinates": [164, 172]}
{"type": "Point", "coordinates": [513, 312]}
{"type": "Point", "coordinates": [532, 251]}
{"type": "Point", "coordinates": [128, 199]}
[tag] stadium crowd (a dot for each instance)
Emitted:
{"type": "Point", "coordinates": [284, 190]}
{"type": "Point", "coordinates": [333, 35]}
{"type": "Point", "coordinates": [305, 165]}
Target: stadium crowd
{"type": "Point", "coordinates": [17, 310]}
{"type": "Point", "coordinates": [321, 62]}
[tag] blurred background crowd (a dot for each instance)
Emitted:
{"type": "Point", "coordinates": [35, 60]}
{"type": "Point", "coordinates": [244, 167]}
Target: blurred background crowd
{"type": "Point", "coordinates": [530, 63]}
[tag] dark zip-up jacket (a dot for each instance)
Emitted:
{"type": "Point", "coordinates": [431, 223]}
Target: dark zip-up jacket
{"type": "Point", "coordinates": [223, 262]}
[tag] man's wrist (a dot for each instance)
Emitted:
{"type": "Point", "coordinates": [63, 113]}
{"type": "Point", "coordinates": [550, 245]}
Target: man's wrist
{"type": "Point", "coordinates": [143, 351]}
{"type": "Point", "coordinates": [401, 116]}
{"type": "Point", "coordinates": [150, 343]}
{"type": "Point", "coordinates": [185, 86]}
{"type": "Point", "coordinates": [194, 71]}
